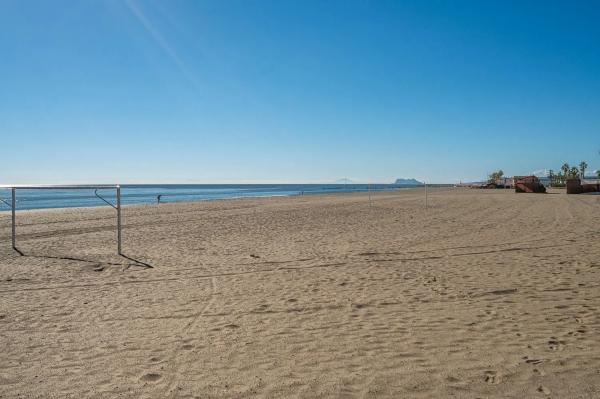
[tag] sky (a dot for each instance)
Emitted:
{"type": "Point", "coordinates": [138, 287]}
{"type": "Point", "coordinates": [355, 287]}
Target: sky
{"type": "Point", "coordinates": [295, 91]}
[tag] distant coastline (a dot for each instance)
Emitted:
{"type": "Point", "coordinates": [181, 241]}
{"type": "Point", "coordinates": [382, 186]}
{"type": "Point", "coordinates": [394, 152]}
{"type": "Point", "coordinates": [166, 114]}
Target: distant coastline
{"type": "Point", "coordinates": [138, 194]}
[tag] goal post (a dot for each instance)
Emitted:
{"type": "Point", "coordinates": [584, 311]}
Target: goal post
{"type": "Point", "coordinates": [13, 203]}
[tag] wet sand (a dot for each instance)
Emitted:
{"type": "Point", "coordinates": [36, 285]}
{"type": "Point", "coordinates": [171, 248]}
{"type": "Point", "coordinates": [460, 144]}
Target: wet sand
{"type": "Point", "coordinates": [483, 294]}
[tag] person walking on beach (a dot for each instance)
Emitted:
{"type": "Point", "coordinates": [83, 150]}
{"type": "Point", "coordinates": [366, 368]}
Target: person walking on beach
{"type": "Point", "coordinates": [158, 198]}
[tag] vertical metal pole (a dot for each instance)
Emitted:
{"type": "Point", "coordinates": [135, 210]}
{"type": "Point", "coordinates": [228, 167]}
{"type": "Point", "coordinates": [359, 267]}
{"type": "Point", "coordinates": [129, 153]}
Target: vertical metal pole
{"type": "Point", "coordinates": [425, 195]}
{"type": "Point", "coordinates": [369, 195]}
{"type": "Point", "coordinates": [119, 219]}
{"type": "Point", "coordinates": [14, 218]}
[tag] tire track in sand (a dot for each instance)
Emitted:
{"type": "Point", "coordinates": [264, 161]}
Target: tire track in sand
{"type": "Point", "coordinates": [179, 356]}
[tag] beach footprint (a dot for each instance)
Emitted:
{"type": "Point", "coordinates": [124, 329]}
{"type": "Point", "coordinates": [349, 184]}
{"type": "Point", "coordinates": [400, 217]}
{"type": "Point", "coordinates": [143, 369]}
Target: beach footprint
{"type": "Point", "coordinates": [543, 390]}
{"type": "Point", "coordinates": [556, 345]}
{"type": "Point", "coordinates": [151, 377]}
{"type": "Point", "coordinates": [491, 377]}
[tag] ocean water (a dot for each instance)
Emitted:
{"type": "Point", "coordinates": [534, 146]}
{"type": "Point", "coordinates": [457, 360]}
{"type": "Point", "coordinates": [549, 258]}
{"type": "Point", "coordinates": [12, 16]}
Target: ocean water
{"type": "Point", "coordinates": [147, 194]}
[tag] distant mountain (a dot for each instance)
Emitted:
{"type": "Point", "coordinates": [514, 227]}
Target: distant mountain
{"type": "Point", "coordinates": [540, 173]}
{"type": "Point", "coordinates": [346, 181]}
{"type": "Point", "coordinates": [408, 182]}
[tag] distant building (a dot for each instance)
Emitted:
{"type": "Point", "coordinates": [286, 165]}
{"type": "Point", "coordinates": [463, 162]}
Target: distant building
{"type": "Point", "coordinates": [505, 182]}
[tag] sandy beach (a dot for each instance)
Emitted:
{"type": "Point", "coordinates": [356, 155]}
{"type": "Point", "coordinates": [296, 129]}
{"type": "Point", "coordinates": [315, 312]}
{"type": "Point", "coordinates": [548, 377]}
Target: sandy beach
{"type": "Point", "coordinates": [484, 294]}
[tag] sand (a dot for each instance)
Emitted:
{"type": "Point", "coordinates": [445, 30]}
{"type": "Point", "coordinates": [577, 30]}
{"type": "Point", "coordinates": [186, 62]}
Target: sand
{"type": "Point", "coordinates": [485, 294]}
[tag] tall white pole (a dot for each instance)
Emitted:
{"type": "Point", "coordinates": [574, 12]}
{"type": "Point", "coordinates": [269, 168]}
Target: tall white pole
{"type": "Point", "coordinates": [426, 195]}
{"type": "Point", "coordinates": [369, 195]}
{"type": "Point", "coordinates": [119, 219]}
{"type": "Point", "coordinates": [14, 218]}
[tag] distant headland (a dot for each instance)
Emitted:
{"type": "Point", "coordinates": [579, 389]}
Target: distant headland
{"type": "Point", "coordinates": [408, 182]}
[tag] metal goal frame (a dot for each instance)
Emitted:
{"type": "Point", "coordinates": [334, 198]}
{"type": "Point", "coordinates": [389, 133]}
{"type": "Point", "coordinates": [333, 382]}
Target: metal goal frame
{"type": "Point", "coordinates": [13, 204]}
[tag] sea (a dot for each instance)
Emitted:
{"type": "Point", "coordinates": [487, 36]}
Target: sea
{"type": "Point", "coordinates": [148, 193]}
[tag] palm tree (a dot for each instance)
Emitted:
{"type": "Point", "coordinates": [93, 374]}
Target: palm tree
{"type": "Point", "coordinates": [565, 172]}
{"type": "Point", "coordinates": [574, 172]}
{"type": "Point", "coordinates": [582, 167]}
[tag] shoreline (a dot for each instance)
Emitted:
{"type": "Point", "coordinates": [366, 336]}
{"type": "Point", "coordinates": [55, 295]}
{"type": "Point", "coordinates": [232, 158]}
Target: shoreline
{"type": "Point", "coordinates": [99, 206]}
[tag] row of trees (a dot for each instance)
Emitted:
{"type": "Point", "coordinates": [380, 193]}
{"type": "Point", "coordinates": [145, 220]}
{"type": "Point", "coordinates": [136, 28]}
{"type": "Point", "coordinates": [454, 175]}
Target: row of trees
{"type": "Point", "coordinates": [568, 172]}
{"type": "Point", "coordinates": [556, 179]}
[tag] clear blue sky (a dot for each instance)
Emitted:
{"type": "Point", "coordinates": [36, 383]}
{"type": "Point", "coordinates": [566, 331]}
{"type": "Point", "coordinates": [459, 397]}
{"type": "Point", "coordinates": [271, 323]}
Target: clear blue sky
{"type": "Point", "coordinates": [295, 91]}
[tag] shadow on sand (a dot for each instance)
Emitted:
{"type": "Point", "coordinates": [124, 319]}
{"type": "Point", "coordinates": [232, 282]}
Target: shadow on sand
{"type": "Point", "coordinates": [136, 261]}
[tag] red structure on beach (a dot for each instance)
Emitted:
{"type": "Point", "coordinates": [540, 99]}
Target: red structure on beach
{"type": "Point", "coordinates": [528, 184]}
{"type": "Point", "coordinates": [574, 186]}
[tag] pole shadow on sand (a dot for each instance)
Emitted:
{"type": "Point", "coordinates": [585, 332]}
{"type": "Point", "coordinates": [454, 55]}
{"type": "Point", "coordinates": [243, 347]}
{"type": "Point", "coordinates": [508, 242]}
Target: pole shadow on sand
{"type": "Point", "coordinates": [72, 258]}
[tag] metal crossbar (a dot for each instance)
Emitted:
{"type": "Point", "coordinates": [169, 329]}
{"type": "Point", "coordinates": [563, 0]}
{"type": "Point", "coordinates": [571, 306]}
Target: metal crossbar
{"type": "Point", "coordinates": [96, 187]}
{"type": "Point", "coordinates": [59, 186]}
